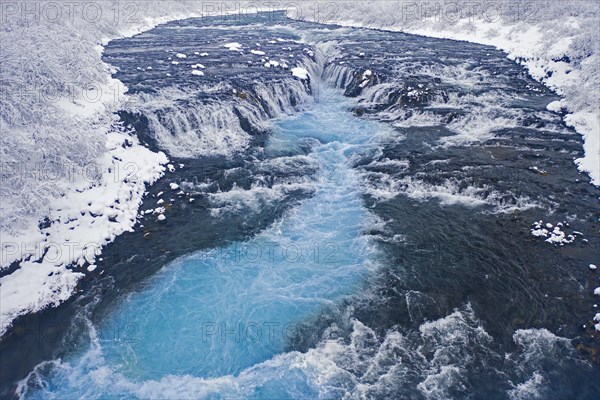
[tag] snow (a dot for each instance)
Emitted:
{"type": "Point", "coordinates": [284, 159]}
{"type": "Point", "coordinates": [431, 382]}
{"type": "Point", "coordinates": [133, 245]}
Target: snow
{"type": "Point", "coordinates": [84, 220]}
{"type": "Point", "coordinates": [300, 73]}
{"type": "Point", "coordinates": [557, 44]}
{"type": "Point", "coordinates": [553, 234]}
{"type": "Point", "coordinates": [234, 46]}
{"type": "Point", "coordinates": [174, 186]}
{"type": "Point", "coordinates": [85, 211]}
{"type": "Point", "coordinates": [89, 213]}
{"type": "Point", "coordinates": [271, 63]}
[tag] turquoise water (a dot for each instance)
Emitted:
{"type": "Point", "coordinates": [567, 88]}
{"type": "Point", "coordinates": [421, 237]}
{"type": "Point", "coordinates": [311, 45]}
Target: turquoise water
{"type": "Point", "coordinates": [219, 313]}
{"type": "Point", "coordinates": [459, 308]}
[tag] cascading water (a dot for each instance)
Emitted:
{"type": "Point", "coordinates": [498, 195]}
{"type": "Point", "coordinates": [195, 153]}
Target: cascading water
{"type": "Point", "coordinates": [395, 259]}
{"type": "Point", "coordinates": [220, 312]}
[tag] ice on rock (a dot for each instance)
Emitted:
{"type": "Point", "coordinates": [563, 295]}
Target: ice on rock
{"type": "Point", "coordinates": [309, 52]}
{"type": "Point", "coordinates": [593, 267]}
{"type": "Point", "coordinates": [175, 62]}
{"type": "Point", "coordinates": [174, 186]}
{"type": "Point", "coordinates": [180, 55]}
{"type": "Point", "coordinates": [597, 291]}
{"type": "Point", "coordinates": [198, 66]}
{"type": "Point", "coordinates": [300, 73]}
{"type": "Point", "coordinates": [258, 52]}
{"type": "Point", "coordinates": [91, 268]}
{"type": "Point", "coordinates": [197, 73]}
{"type": "Point", "coordinates": [234, 46]}
{"type": "Point", "coordinates": [366, 76]}
{"type": "Point", "coordinates": [203, 54]}
{"type": "Point", "coordinates": [538, 170]}
{"type": "Point", "coordinates": [161, 217]}
{"type": "Point", "coordinates": [554, 234]}
{"type": "Point", "coordinates": [271, 63]}
{"type": "Point", "coordinates": [170, 167]}
{"type": "Point", "coordinates": [159, 202]}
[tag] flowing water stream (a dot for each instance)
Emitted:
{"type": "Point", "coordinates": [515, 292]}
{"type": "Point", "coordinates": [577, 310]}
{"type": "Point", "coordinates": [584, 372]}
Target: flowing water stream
{"type": "Point", "coordinates": [363, 236]}
{"type": "Point", "coordinates": [219, 312]}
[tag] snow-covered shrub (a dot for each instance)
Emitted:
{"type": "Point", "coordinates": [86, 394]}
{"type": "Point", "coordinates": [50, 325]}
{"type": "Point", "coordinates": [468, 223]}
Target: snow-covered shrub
{"type": "Point", "coordinates": [57, 96]}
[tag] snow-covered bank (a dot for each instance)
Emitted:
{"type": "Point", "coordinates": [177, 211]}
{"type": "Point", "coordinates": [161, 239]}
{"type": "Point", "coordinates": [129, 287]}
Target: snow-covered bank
{"type": "Point", "coordinates": [69, 172]}
{"type": "Point", "coordinates": [557, 42]}
{"type": "Point", "coordinates": [72, 177]}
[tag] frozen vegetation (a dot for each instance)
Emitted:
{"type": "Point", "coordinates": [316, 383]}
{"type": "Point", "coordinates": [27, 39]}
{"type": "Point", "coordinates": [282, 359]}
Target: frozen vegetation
{"type": "Point", "coordinates": [73, 178]}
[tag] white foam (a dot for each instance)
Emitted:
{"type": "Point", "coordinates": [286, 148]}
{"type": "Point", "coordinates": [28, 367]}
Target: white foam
{"type": "Point", "coordinates": [450, 192]}
{"type": "Point", "coordinates": [188, 127]}
{"type": "Point", "coordinates": [539, 44]}
{"type": "Point", "coordinates": [530, 389]}
{"type": "Point", "coordinates": [255, 198]}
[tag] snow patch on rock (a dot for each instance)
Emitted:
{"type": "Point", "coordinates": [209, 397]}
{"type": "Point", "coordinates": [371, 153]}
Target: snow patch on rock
{"type": "Point", "coordinates": [300, 73]}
